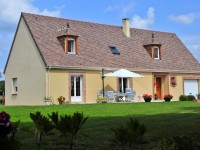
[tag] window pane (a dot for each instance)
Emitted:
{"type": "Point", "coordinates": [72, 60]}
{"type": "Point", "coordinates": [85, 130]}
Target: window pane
{"type": "Point", "coordinates": [70, 46]}
{"type": "Point", "coordinates": [78, 90]}
{"type": "Point", "coordinates": [125, 81]}
{"type": "Point", "coordinates": [156, 52]}
{"type": "Point", "coordinates": [72, 86]}
{"type": "Point", "coordinates": [120, 85]}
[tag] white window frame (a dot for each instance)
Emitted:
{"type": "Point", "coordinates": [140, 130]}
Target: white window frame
{"type": "Point", "coordinates": [74, 46]}
{"type": "Point", "coordinates": [156, 47]}
{"type": "Point", "coordinates": [14, 86]}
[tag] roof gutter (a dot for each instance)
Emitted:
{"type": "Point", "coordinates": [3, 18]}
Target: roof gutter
{"type": "Point", "coordinates": [112, 69]}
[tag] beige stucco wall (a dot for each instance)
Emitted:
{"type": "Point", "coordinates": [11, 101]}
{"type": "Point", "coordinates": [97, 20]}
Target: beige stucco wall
{"type": "Point", "coordinates": [143, 85]}
{"type": "Point", "coordinates": [179, 88]}
{"type": "Point", "coordinates": [26, 65]}
{"type": "Point", "coordinates": [58, 83]}
{"type": "Point", "coordinates": [94, 82]}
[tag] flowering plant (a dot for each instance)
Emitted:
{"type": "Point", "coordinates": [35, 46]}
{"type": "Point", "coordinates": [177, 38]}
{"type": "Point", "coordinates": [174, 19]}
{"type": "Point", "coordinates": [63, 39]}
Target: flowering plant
{"type": "Point", "coordinates": [147, 96]}
{"type": "Point", "coordinates": [167, 96]}
{"type": "Point", "coordinates": [61, 99]}
{"type": "Point", "coordinates": [2, 101]}
{"type": "Point", "coordinates": [5, 125]}
{"type": "Point", "coordinates": [173, 83]}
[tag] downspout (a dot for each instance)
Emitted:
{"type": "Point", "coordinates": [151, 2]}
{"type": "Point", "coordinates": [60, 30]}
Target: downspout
{"type": "Point", "coordinates": [49, 81]}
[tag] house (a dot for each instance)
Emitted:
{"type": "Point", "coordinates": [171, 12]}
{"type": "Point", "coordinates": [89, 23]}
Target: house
{"type": "Point", "coordinates": [62, 57]}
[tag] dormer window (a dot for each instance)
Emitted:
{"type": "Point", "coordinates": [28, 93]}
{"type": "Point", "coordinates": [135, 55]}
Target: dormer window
{"type": "Point", "coordinates": [114, 50]}
{"type": "Point", "coordinates": [156, 52]}
{"type": "Point", "coordinates": [71, 45]}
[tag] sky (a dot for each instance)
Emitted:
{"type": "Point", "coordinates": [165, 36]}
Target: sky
{"type": "Point", "coordinates": [178, 16]}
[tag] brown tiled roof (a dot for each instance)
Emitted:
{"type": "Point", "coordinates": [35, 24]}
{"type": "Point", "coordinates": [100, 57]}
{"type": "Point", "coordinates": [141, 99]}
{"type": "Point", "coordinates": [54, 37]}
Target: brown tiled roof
{"type": "Point", "coordinates": [93, 46]}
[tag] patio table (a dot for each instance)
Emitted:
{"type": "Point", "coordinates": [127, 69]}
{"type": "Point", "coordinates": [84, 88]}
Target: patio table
{"type": "Point", "coordinates": [122, 97]}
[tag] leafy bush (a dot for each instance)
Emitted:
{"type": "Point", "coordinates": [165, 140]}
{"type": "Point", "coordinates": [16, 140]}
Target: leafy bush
{"type": "Point", "coordinates": [191, 97]}
{"type": "Point", "coordinates": [187, 97]}
{"type": "Point", "coordinates": [129, 136]}
{"type": "Point", "coordinates": [183, 98]}
{"type": "Point", "coordinates": [42, 126]}
{"type": "Point", "coordinates": [69, 126]}
{"type": "Point", "coordinates": [178, 143]}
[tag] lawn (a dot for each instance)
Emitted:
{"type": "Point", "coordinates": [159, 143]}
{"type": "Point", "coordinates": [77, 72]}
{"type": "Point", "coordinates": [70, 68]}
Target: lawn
{"type": "Point", "coordinates": [161, 119]}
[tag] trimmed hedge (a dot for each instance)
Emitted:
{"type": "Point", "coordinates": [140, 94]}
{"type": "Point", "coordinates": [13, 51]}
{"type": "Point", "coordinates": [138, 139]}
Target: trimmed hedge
{"type": "Point", "coordinates": [186, 97]}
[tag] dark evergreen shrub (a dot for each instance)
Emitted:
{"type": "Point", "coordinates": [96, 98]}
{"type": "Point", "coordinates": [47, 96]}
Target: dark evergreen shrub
{"type": "Point", "coordinates": [183, 98]}
{"type": "Point", "coordinates": [191, 97]}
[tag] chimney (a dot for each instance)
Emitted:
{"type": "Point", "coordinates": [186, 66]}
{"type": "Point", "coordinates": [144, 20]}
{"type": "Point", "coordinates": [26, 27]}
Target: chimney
{"type": "Point", "coordinates": [126, 26]}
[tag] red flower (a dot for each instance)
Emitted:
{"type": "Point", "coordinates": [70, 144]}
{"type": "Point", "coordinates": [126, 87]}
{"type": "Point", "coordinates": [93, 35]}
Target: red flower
{"type": "Point", "coordinates": [3, 100]}
{"type": "Point", "coordinates": [146, 96]}
{"type": "Point", "coordinates": [168, 96]}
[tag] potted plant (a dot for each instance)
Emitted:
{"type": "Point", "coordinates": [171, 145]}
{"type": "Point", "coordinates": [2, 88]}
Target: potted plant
{"type": "Point", "coordinates": [156, 96]}
{"type": "Point", "coordinates": [147, 97]}
{"type": "Point", "coordinates": [61, 99]}
{"type": "Point", "coordinates": [2, 101]}
{"type": "Point", "coordinates": [48, 100]}
{"type": "Point", "coordinates": [173, 83]}
{"type": "Point", "coordinates": [167, 97]}
{"type": "Point", "coordinates": [102, 100]}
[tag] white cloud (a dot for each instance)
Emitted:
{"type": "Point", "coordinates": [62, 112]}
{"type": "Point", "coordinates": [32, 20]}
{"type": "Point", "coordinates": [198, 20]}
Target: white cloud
{"type": "Point", "coordinates": [139, 22]}
{"type": "Point", "coordinates": [11, 10]}
{"type": "Point", "coordinates": [123, 9]}
{"type": "Point", "coordinates": [185, 19]}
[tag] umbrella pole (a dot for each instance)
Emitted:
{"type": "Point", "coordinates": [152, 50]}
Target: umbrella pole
{"type": "Point", "coordinates": [102, 77]}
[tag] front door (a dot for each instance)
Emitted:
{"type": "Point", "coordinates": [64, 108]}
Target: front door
{"type": "Point", "coordinates": [76, 89]}
{"type": "Point", "coordinates": [158, 87]}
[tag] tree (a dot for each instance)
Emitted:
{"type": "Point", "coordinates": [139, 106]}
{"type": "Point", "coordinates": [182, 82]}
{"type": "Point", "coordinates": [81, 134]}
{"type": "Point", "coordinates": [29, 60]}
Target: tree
{"type": "Point", "coordinates": [2, 87]}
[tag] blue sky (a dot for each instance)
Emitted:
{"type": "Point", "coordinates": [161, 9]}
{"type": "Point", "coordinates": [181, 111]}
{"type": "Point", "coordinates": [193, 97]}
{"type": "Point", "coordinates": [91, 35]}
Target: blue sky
{"type": "Point", "coordinates": [180, 17]}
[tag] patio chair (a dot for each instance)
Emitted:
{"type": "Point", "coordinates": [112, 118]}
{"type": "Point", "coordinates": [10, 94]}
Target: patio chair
{"type": "Point", "coordinates": [131, 96]}
{"type": "Point", "coordinates": [128, 90]}
{"type": "Point", "coordinates": [110, 96]}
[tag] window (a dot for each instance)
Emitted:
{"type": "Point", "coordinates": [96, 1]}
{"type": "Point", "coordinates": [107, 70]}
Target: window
{"type": "Point", "coordinates": [114, 50]}
{"type": "Point", "coordinates": [123, 84]}
{"type": "Point", "coordinates": [15, 89]}
{"type": "Point", "coordinates": [156, 53]}
{"type": "Point", "coordinates": [71, 46]}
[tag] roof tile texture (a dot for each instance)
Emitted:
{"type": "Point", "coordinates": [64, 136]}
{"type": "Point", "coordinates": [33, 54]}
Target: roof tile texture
{"type": "Point", "coordinates": [93, 44]}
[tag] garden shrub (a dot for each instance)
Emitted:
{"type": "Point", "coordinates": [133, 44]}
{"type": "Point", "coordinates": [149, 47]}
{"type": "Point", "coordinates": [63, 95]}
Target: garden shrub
{"type": "Point", "coordinates": [129, 136]}
{"type": "Point", "coordinates": [187, 98]}
{"type": "Point", "coordinates": [69, 126]}
{"type": "Point", "coordinates": [191, 97]}
{"type": "Point", "coordinates": [178, 143]}
{"type": "Point", "coordinates": [183, 98]}
{"type": "Point", "coordinates": [42, 126]}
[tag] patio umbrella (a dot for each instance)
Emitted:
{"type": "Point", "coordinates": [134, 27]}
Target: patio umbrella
{"type": "Point", "coordinates": [123, 73]}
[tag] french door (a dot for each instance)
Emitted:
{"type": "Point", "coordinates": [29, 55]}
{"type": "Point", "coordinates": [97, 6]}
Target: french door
{"type": "Point", "coordinates": [123, 84]}
{"type": "Point", "coordinates": [76, 89]}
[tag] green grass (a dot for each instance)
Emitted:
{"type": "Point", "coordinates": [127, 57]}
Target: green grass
{"type": "Point", "coordinates": [161, 119]}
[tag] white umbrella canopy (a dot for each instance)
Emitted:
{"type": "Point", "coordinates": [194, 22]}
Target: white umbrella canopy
{"type": "Point", "coordinates": [123, 73]}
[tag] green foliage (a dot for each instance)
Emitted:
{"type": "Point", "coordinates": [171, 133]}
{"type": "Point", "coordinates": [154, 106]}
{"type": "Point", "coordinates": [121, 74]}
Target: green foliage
{"type": "Point", "coordinates": [2, 87]}
{"type": "Point", "coordinates": [68, 125]}
{"type": "Point", "coordinates": [178, 143]}
{"type": "Point", "coordinates": [187, 97]}
{"type": "Point", "coordinates": [129, 136]}
{"type": "Point", "coordinates": [42, 126]}
{"type": "Point", "coordinates": [183, 98]}
{"type": "Point", "coordinates": [191, 97]}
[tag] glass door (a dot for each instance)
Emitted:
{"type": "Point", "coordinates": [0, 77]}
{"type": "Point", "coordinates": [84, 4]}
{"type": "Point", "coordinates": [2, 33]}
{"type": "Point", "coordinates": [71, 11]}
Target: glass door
{"type": "Point", "coordinates": [76, 89]}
